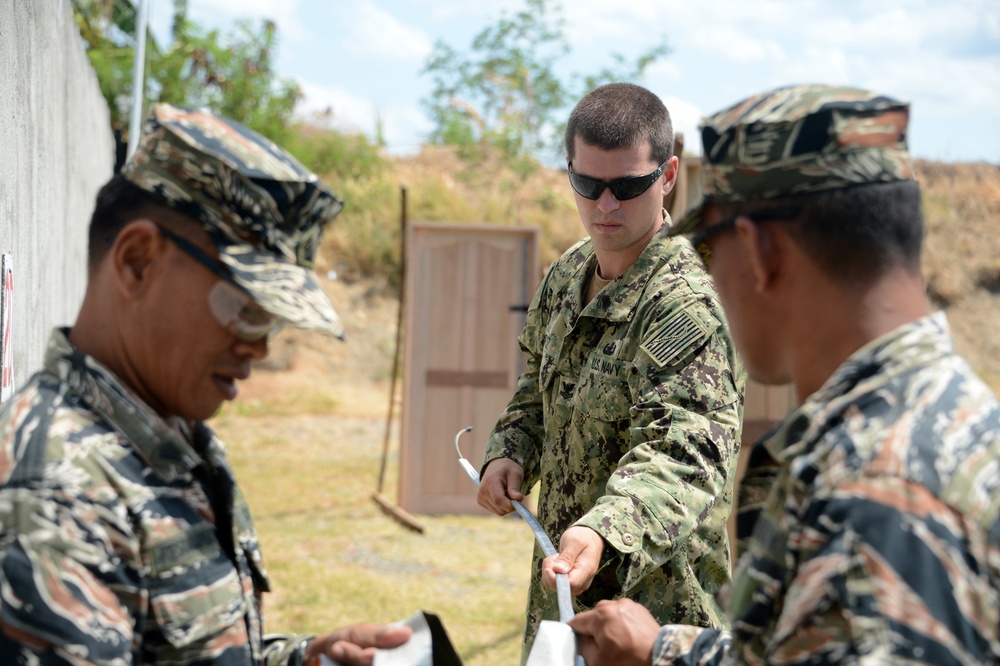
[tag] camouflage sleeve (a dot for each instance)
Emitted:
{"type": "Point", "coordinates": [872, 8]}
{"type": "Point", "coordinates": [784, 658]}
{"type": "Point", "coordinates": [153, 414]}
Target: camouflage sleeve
{"type": "Point", "coordinates": [870, 555]}
{"type": "Point", "coordinates": [67, 597]}
{"type": "Point", "coordinates": [680, 644]}
{"type": "Point", "coordinates": [751, 497]}
{"type": "Point", "coordinates": [691, 646]}
{"type": "Point", "coordinates": [683, 442]}
{"type": "Point", "coordinates": [284, 650]}
{"type": "Point", "coordinates": [520, 430]}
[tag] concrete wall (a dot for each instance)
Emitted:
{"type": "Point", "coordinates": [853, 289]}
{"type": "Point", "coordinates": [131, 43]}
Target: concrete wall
{"type": "Point", "coordinates": [56, 150]}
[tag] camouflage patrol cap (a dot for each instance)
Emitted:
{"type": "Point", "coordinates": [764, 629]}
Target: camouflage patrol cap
{"type": "Point", "coordinates": [800, 139]}
{"type": "Point", "coordinates": [264, 211]}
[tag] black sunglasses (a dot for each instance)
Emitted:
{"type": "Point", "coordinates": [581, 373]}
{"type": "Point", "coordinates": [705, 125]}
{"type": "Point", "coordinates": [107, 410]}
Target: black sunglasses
{"type": "Point", "coordinates": [623, 189]}
{"type": "Point", "coordinates": [789, 213]}
{"type": "Point", "coordinates": [199, 255]}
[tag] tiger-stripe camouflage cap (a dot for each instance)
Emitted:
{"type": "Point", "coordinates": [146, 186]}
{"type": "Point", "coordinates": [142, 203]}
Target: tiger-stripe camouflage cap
{"type": "Point", "coordinates": [800, 139]}
{"type": "Point", "coordinates": [264, 211]}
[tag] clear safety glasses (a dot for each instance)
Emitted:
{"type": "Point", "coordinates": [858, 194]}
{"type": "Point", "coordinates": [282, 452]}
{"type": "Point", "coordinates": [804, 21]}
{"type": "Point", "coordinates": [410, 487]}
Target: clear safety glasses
{"type": "Point", "coordinates": [229, 303]}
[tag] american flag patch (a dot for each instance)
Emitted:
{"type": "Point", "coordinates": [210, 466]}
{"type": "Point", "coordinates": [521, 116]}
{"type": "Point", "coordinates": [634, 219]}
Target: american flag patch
{"type": "Point", "coordinates": [678, 335]}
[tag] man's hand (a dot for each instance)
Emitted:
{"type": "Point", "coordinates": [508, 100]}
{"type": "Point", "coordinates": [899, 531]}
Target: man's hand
{"type": "Point", "coordinates": [616, 633]}
{"type": "Point", "coordinates": [580, 550]}
{"type": "Point", "coordinates": [355, 645]}
{"type": "Point", "coordinates": [500, 483]}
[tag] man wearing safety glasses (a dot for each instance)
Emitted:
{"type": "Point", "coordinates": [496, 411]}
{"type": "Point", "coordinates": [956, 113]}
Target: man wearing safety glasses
{"type": "Point", "coordinates": [630, 410]}
{"type": "Point", "coordinates": [877, 540]}
{"type": "Point", "coordinates": [123, 536]}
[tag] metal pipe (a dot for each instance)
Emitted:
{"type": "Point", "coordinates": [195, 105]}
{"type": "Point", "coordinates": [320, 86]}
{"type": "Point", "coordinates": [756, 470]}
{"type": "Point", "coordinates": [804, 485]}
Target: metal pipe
{"type": "Point", "coordinates": [563, 595]}
{"type": "Point", "coordinates": [138, 78]}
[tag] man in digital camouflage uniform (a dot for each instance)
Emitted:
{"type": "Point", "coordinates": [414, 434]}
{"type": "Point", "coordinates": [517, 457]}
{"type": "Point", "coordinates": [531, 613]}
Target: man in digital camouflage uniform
{"type": "Point", "coordinates": [124, 538]}
{"type": "Point", "coordinates": [879, 539]}
{"type": "Point", "coordinates": [629, 412]}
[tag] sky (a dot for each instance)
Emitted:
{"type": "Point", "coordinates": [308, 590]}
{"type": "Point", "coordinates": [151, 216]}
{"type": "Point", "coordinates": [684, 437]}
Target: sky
{"type": "Point", "coordinates": [362, 59]}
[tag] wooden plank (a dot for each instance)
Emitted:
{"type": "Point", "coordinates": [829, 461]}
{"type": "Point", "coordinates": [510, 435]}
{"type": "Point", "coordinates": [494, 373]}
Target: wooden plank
{"type": "Point", "coordinates": [401, 516]}
{"type": "Point", "coordinates": [473, 378]}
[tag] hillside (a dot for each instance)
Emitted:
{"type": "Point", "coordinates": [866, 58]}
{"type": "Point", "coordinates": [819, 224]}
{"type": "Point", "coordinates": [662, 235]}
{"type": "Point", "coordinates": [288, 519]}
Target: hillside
{"type": "Point", "coordinates": [961, 264]}
{"type": "Point", "coordinates": [962, 256]}
{"type": "Point", "coordinates": [961, 206]}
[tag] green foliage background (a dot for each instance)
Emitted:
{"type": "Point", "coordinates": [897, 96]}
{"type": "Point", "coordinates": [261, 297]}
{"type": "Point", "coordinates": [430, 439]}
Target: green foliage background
{"type": "Point", "coordinates": [229, 72]}
{"type": "Point", "coordinates": [496, 109]}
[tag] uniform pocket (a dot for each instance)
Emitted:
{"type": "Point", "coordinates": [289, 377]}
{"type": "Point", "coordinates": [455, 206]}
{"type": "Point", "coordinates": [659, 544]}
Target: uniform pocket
{"type": "Point", "coordinates": [210, 608]}
{"type": "Point", "coordinates": [602, 392]}
{"type": "Point", "coordinates": [196, 595]}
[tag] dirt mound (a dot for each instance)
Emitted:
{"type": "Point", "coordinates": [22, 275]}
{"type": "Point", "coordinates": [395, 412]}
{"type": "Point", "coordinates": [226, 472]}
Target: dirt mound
{"type": "Point", "coordinates": [962, 256]}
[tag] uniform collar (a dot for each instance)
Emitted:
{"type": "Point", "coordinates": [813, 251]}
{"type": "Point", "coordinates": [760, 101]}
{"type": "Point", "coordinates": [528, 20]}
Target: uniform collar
{"type": "Point", "coordinates": [99, 389]}
{"type": "Point", "coordinates": [619, 300]}
{"type": "Point", "coordinates": [918, 343]}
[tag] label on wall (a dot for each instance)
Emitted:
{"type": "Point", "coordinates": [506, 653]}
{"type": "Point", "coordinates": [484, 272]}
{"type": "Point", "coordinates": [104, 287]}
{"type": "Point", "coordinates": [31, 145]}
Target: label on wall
{"type": "Point", "coordinates": [6, 325]}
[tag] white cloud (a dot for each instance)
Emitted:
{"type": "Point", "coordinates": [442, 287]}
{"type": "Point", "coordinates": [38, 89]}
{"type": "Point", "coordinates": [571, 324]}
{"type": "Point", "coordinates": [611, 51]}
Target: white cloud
{"type": "Point", "coordinates": [666, 69]}
{"type": "Point", "coordinates": [614, 31]}
{"type": "Point", "coordinates": [405, 129]}
{"type": "Point", "coordinates": [403, 125]}
{"type": "Point", "coordinates": [738, 45]}
{"type": "Point", "coordinates": [375, 32]}
{"type": "Point", "coordinates": [337, 108]}
{"type": "Point", "coordinates": [460, 10]}
{"type": "Point", "coordinates": [285, 13]}
{"type": "Point", "coordinates": [991, 25]}
{"type": "Point", "coordinates": [685, 117]}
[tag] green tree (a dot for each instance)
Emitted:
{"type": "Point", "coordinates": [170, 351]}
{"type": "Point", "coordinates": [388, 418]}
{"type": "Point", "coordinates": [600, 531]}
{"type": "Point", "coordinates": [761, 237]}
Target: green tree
{"type": "Point", "coordinates": [505, 94]}
{"type": "Point", "coordinates": [108, 31]}
{"type": "Point", "coordinates": [232, 73]}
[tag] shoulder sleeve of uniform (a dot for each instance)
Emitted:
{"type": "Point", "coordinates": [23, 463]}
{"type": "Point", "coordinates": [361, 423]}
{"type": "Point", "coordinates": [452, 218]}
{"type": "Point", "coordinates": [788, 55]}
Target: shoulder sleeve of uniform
{"type": "Point", "coordinates": [681, 332]}
{"type": "Point", "coordinates": [26, 419]}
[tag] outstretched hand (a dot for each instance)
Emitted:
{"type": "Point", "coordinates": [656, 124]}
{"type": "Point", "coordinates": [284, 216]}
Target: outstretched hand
{"type": "Point", "coordinates": [355, 645]}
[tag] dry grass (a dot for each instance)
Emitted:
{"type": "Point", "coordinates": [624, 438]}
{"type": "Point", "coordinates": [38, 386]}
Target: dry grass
{"type": "Point", "coordinates": [962, 256]}
{"type": "Point", "coordinates": [306, 439]}
{"type": "Point", "coordinates": [364, 241]}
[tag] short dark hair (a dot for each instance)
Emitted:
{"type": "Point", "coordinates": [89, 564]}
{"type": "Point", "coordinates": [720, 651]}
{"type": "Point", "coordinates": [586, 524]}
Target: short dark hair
{"type": "Point", "coordinates": [854, 234]}
{"type": "Point", "coordinates": [621, 115]}
{"type": "Point", "coordinates": [118, 203]}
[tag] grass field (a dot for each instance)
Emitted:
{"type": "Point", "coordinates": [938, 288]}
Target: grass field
{"type": "Point", "coordinates": [305, 440]}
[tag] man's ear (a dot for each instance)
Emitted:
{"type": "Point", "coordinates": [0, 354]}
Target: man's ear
{"type": "Point", "coordinates": [670, 175]}
{"type": "Point", "coordinates": [137, 248]}
{"type": "Point", "coordinates": [761, 250]}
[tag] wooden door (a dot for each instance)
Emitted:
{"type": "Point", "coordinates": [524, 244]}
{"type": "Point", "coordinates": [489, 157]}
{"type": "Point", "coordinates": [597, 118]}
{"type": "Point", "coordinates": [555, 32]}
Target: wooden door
{"type": "Point", "coordinates": [468, 288]}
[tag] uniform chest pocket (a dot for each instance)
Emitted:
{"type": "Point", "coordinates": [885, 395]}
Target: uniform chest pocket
{"type": "Point", "coordinates": [196, 595]}
{"type": "Point", "coordinates": [602, 391]}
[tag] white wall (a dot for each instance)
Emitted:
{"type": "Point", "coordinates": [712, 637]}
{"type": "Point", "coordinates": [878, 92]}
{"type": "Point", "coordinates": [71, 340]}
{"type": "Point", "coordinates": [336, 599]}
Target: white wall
{"type": "Point", "coordinates": [56, 150]}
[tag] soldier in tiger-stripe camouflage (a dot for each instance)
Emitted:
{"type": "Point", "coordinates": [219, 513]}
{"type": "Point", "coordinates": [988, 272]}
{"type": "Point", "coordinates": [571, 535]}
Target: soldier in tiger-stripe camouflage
{"type": "Point", "coordinates": [630, 410]}
{"type": "Point", "coordinates": [877, 539]}
{"type": "Point", "coordinates": [124, 538]}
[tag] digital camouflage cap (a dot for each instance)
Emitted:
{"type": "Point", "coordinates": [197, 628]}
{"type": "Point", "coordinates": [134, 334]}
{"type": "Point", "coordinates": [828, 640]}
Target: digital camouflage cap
{"type": "Point", "coordinates": [800, 139]}
{"type": "Point", "coordinates": [264, 211]}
